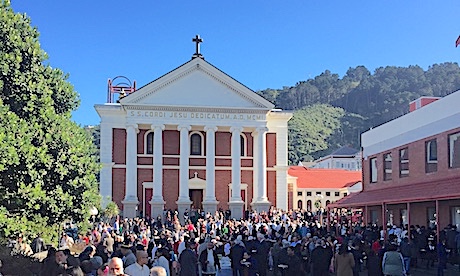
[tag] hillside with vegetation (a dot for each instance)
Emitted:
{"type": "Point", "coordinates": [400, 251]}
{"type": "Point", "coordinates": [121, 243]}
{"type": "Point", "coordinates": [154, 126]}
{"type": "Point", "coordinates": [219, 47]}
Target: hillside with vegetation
{"type": "Point", "coordinates": [330, 112]}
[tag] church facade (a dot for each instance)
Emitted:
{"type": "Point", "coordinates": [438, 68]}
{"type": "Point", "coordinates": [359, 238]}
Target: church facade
{"type": "Point", "coordinates": [193, 138]}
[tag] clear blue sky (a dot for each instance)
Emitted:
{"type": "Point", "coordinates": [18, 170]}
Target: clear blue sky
{"type": "Point", "coordinates": [261, 43]}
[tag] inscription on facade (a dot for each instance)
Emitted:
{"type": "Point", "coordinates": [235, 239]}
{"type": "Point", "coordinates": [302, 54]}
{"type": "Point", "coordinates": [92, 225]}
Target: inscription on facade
{"type": "Point", "coordinates": [195, 115]}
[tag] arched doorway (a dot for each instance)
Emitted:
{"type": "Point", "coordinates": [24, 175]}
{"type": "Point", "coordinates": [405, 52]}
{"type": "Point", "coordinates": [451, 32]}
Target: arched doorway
{"type": "Point", "coordinates": [309, 205]}
{"type": "Point", "coordinates": [299, 204]}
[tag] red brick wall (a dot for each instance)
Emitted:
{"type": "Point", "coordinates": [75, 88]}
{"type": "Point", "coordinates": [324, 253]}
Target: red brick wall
{"type": "Point", "coordinates": [417, 159]}
{"type": "Point", "coordinates": [271, 187]}
{"type": "Point", "coordinates": [248, 178]}
{"type": "Point", "coordinates": [201, 174]}
{"type": "Point", "coordinates": [170, 188]}
{"type": "Point", "coordinates": [174, 161]}
{"type": "Point", "coordinates": [119, 146]}
{"type": "Point", "coordinates": [223, 178]}
{"type": "Point", "coordinates": [143, 175]}
{"type": "Point", "coordinates": [223, 162]}
{"type": "Point", "coordinates": [197, 161]}
{"type": "Point", "coordinates": [140, 140]}
{"type": "Point", "coordinates": [171, 142]}
{"type": "Point", "coordinates": [145, 160]}
{"type": "Point", "coordinates": [246, 162]}
{"type": "Point", "coordinates": [119, 185]}
{"type": "Point", "coordinates": [271, 149]}
{"type": "Point", "coordinates": [249, 144]}
{"type": "Point", "coordinates": [223, 139]}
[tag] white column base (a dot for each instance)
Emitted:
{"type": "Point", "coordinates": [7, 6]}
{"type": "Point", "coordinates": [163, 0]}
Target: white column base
{"type": "Point", "coordinates": [156, 208]}
{"type": "Point", "coordinates": [210, 206]}
{"type": "Point", "coordinates": [130, 207]}
{"type": "Point", "coordinates": [261, 206]}
{"type": "Point", "coordinates": [181, 206]}
{"type": "Point", "coordinates": [236, 207]}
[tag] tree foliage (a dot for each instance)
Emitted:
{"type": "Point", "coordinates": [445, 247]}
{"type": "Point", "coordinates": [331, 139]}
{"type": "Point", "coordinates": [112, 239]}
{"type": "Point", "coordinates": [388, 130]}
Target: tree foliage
{"type": "Point", "coordinates": [47, 162]}
{"type": "Point", "coordinates": [367, 100]}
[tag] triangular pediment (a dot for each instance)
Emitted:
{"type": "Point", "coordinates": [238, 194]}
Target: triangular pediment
{"type": "Point", "coordinates": [197, 84]}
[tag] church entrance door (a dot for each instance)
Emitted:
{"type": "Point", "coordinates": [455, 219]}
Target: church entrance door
{"type": "Point", "coordinates": [196, 196]}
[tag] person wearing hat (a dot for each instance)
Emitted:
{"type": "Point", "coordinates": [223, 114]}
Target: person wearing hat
{"type": "Point", "coordinates": [128, 256]}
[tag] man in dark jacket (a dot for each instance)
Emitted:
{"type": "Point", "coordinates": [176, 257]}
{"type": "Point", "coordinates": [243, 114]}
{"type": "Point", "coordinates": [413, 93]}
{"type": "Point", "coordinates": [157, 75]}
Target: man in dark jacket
{"type": "Point", "coordinates": [262, 248]}
{"type": "Point", "coordinates": [321, 259]}
{"type": "Point", "coordinates": [188, 261]}
{"type": "Point", "coordinates": [236, 255]}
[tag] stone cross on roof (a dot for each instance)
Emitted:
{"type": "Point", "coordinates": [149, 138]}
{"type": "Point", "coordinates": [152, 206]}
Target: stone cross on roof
{"type": "Point", "coordinates": [197, 41]}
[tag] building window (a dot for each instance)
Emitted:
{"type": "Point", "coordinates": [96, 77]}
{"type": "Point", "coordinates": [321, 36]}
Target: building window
{"type": "Point", "coordinates": [308, 193]}
{"type": "Point", "coordinates": [299, 204]}
{"type": "Point", "coordinates": [431, 153]}
{"type": "Point", "coordinates": [318, 193]}
{"type": "Point", "coordinates": [243, 145]}
{"type": "Point", "coordinates": [454, 150]}
{"type": "Point", "coordinates": [387, 171]}
{"type": "Point", "coordinates": [373, 169]}
{"type": "Point", "coordinates": [299, 193]}
{"type": "Point", "coordinates": [309, 205]}
{"type": "Point", "coordinates": [404, 162]}
{"type": "Point", "coordinates": [149, 143]}
{"type": "Point", "coordinates": [345, 194]}
{"type": "Point", "coordinates": [328, 202]}
{"type": "Point", "coordinates": [337, 193]}
{"type": "Point", "coordinates": [196, 144]}
{"type": "Point", "coordinates": [328, 193]}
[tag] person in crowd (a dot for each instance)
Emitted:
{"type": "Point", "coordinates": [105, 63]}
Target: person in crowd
{"type": "Point", "coordinates": [128, 256]}
{"type": "Point", "coordinates": [209, 260]}
{"type": "Point", "coordinates": [236, 255]}
{"type": "Point", "coordinates": [116, 267]}
{"type": "Point", "coordinates": [139, 268]}
{"type": "Point", "coordinates": [157, 271]}
{"type": "Point", "coordinates": [442, 256]}
{"type": "Point", "coordinates": [161, 260]}
{"type": "Point", "coordinates": [393, 262]}
{"type": "Point", "coordinates": [321, 258]}
{"type": "Point", "coordinates": [344, 262]}
{"type": "Point", "coordinates": [248, 265]}
{"type": "Point", "coordinates": [188, 260]}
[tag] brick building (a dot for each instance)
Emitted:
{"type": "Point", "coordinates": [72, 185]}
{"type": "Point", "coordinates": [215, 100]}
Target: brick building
{"type": "Point", "coordinates": [411, 168]}
{"type": "Point", "coordinates": [195, 137]}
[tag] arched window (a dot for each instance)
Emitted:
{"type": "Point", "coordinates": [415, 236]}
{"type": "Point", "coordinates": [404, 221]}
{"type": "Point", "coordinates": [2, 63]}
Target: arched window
{"type": "Point", "coordinates": [149, 143]}
{"type": "Point", "coordinates": [243, 145]}
{"type": "Point", "coordinates": [309, 205]}
{"type": "Point", "coordinates": [300, 204]}
{"type": "Point", "coordinates": [328, 202]}
{"type": "Point", "coordinates": [196, 144]}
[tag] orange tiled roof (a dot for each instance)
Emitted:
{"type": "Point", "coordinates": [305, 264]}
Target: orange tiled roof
{"type": "Point", "coordinates": [324, 178]}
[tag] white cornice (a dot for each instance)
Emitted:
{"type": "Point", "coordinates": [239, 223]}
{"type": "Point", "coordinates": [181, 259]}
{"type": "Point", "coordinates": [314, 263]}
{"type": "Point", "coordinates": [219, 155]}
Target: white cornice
{"type": "Point", "coordinates": [194, 109]}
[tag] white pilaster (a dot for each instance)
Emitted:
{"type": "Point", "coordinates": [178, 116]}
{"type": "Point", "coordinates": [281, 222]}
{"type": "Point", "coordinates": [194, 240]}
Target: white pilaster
{"type": "Point", "coordinates": [236, 203]}
{"type": "Point", "coordinates": [210, 202]}
{"type": "Point", "coordinates": [158, 162]}
{"type": "Point", "coordinates": [183, 202]}
{"type": "Point", "coordinates": [282, 167]}
{"type": "Point", "coordinates": [255, 192]}
{"type": "Point", "coordinates": [157, 202]}
{"type": "Point", "coordinates": [131, 201]}
{"type": "Point", "coordinates": [262, 203]}
{"type": "Point", "coordinates": [105, 185]}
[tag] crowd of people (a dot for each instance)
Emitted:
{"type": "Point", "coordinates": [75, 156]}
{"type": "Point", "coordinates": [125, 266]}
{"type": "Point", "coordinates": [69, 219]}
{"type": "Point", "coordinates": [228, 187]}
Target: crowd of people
{"type": "Point", "coordinates": [274, 242]}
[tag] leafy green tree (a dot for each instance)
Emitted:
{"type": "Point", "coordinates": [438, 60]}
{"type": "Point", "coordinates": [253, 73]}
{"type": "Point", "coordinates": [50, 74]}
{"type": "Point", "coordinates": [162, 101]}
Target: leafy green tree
{"type": "Point", "coordinates": [48, 164]}
{"type": "Point", "coordinates": [309, 130]}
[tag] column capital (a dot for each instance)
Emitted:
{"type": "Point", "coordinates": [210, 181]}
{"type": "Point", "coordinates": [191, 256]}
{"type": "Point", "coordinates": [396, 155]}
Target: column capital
{"type": "Point", "coordinates": [156, 126]}
{"type": "Point", "coordinates": [133, 125]}
{"type": "Point", "coordinates": [237, 129]}
{"type": "Point", "coordinates": [210, 128]}
{"type": "Point", "coordinates": [259, 130]}
{"type": "Point", "coordinates": [180, 127]}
